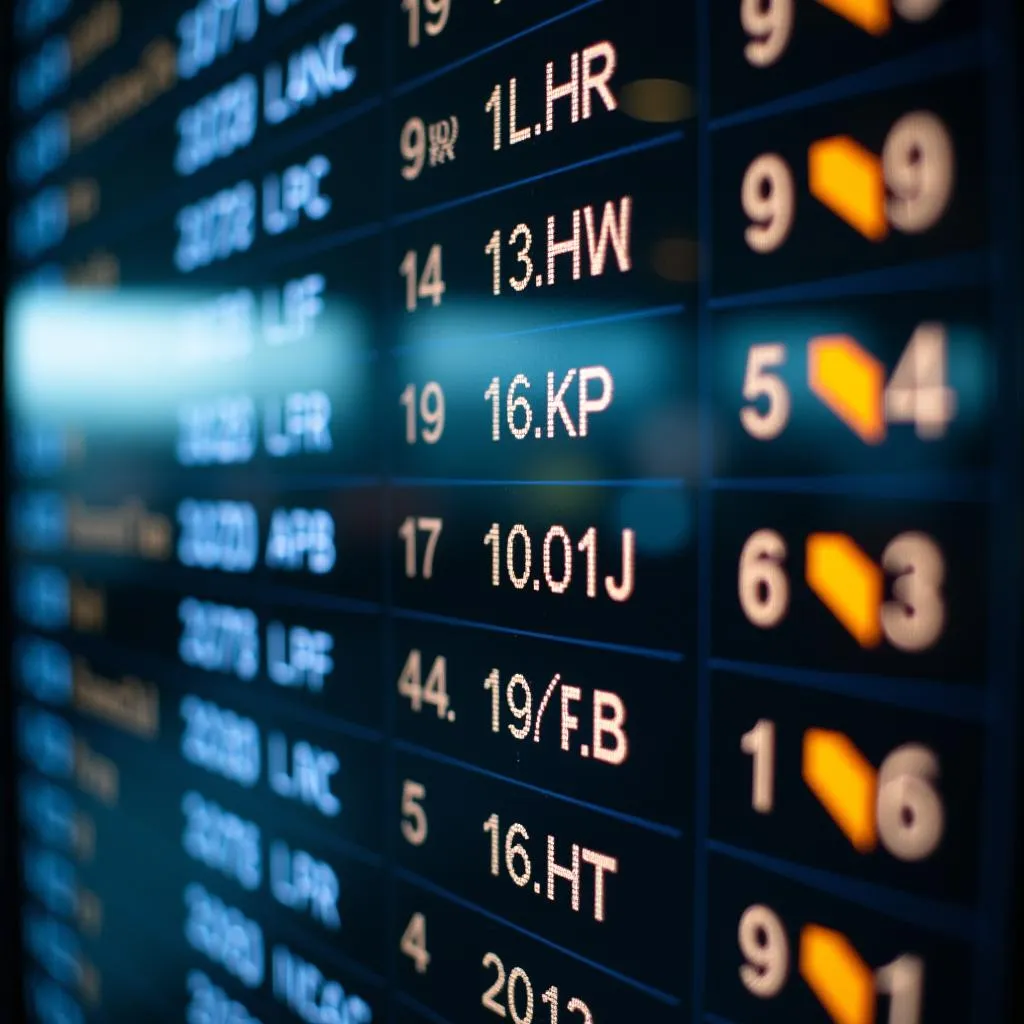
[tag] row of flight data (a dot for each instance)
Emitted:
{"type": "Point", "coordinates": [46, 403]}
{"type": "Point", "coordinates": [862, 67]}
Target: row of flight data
{"type": "Point", "coordinates": [800, 772]}
{"type": "Point", "coordinates": [837, 583]}
{"type": "Point", "coordinates": [234, 951]}
{"type": "Point", "coordinates": [301, 829]}
{"type": "Point", "coordinates": [300, 375]}
{"type": "Point", "coordinates": [111, 68]}
{"type": "Point", "coordinates": [859, 183]}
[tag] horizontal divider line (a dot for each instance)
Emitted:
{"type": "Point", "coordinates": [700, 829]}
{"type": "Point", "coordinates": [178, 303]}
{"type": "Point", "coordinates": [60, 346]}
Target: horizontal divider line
{"type": "Point", "coordinates": [300, 250]}
{"type": "Point", "coordinates": [299, 937]}
{"type": "Point", "coordinates": [450, 620]}
{"type": "Point", "coordinates": [936, 61]}
{"type": "Point", "coordinates": [413, 83]}
{"type": "Point", "coordinates": [419, 1008]}
{"type": "Point", "coordinates": [226, 586]}
{"type": "Point", "coordinates": [649, 483]}
{"type": "Point", "coordinates": [956, 272]}
{"type": "Point", "coordinates": [235, 272]}
{"type": "Point", "coordinates": [564, 325]}
{"type": "Point", "coordinates": [242, 588]}
{"type": "Point", "coordinates": [630, 819]}
{"type": "Point", "coordinates": [949, 919]}
{"type": "Point", "coordinates": [432, 887]}
{"type": "Point", "coordinates": [930, 486]}
{"type": "Point", "coordinates": [951, 486]}
{"type": "Point", "coordinates": [636, 147]}
{"type": "Point", "coordinates": [305, 831]}
{"type": "Point", "coordinates": [228, 482]}
{"type": "Point", "coordinates": [714, 1018]}
{"type": "Point", "coordinates": [215, 482]}
{"type": "Point", "coordinates": [952, 700]}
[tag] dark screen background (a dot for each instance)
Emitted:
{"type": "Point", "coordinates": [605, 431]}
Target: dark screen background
{"type": "Point", "coordinates": [513, 510]}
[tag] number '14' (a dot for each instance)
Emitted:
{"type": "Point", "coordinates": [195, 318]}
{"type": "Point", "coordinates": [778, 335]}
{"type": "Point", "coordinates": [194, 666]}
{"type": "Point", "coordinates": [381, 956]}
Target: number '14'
{"type": "Point", "coordinates": [425, 284]}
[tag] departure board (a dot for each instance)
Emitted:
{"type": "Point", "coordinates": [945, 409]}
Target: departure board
{"type": "Point", "coordinates": [514, 511]}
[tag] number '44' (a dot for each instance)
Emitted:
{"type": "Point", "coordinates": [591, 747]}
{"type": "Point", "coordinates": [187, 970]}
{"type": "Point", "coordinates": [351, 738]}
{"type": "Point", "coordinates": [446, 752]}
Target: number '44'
{"type": "Point", "coordinates": [425, 284]}
{"type": "Point", "coordinates": [434, 691]}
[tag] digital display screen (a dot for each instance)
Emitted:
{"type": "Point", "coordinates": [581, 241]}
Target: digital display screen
{"type": "Point", "coordinates": [514, 510]}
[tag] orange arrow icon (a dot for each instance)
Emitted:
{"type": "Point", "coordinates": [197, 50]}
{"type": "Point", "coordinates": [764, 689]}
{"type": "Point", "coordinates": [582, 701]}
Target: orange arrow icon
{"type": "Point", "coordinates": [873, 16]}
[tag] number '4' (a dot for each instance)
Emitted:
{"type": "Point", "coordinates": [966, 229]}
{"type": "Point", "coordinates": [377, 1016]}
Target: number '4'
{"type": "Point", "coordinates": [917, 391]}
{"type": "Point", "coordinates": [414, 942]}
